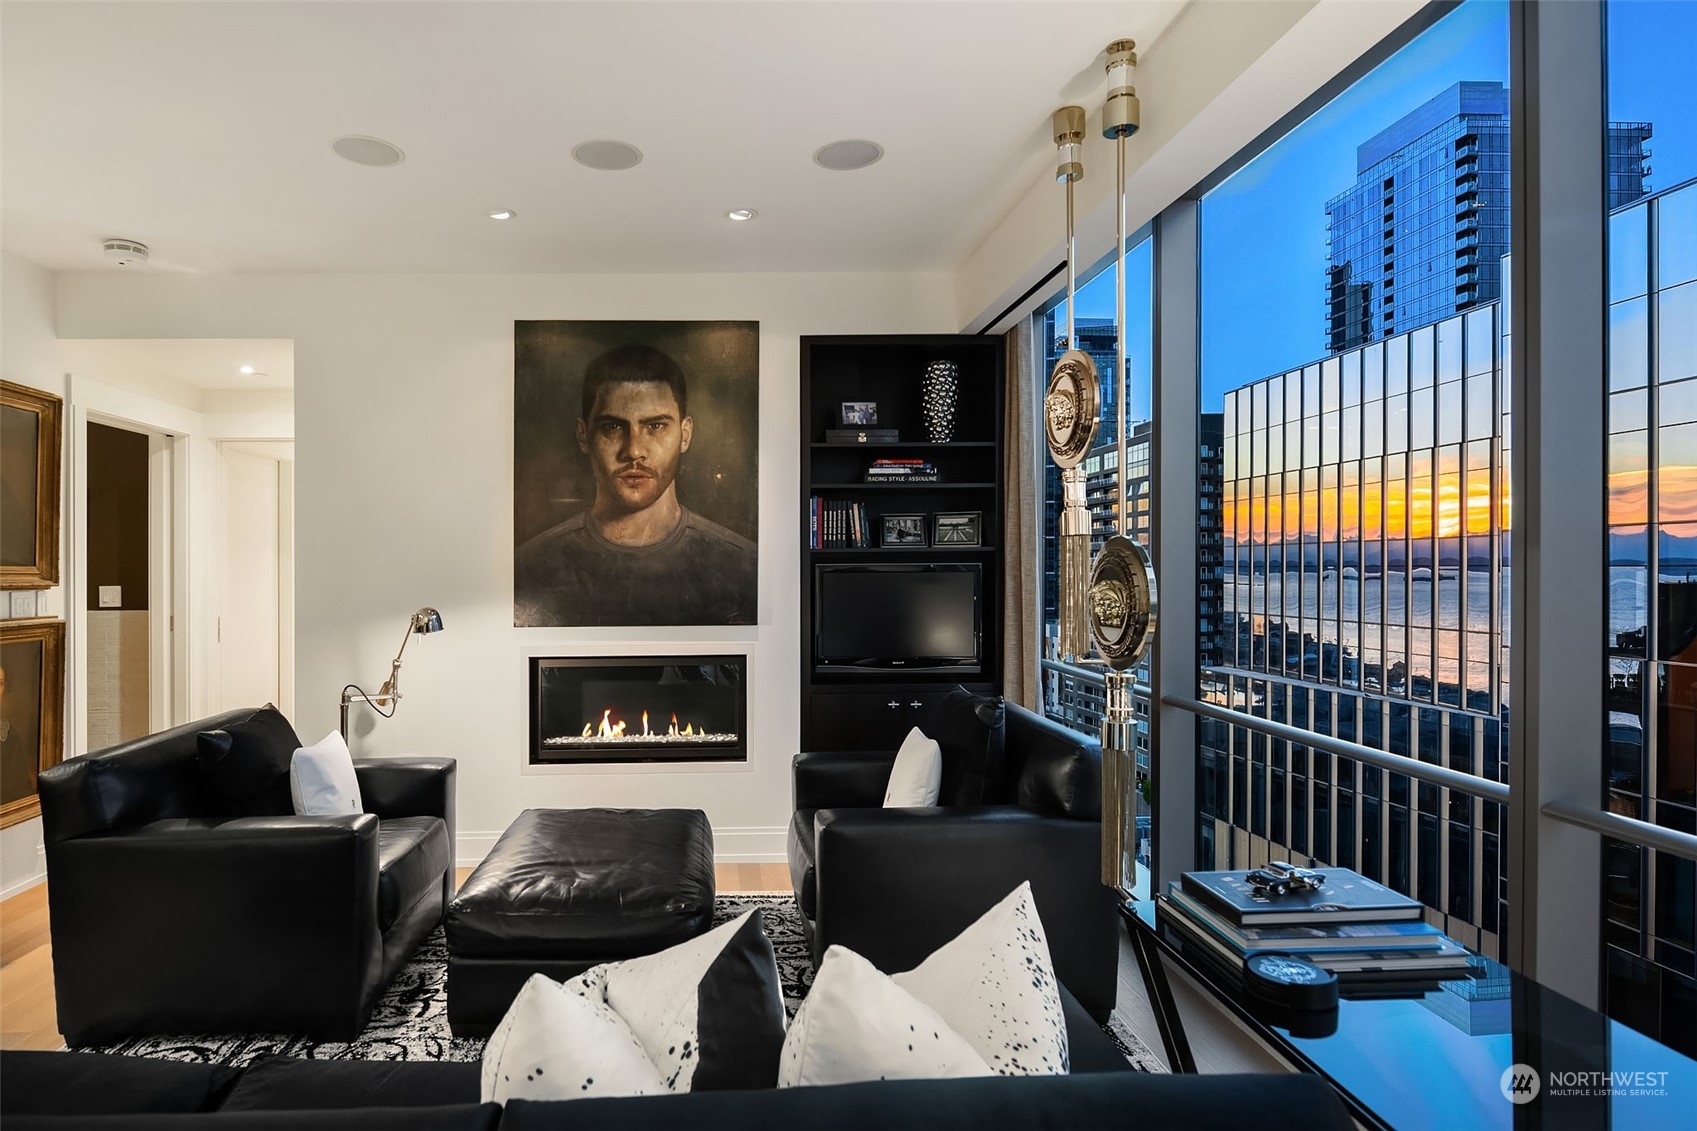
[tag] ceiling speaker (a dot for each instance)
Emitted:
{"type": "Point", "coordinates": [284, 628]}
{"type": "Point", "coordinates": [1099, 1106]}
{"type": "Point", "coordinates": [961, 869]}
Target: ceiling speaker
{"type": "Point", "coordinates": [607, 156]}
{"type": "Point", "coordinates": [367, 150]}
{"type": "Point", "coordinates": [843, 156]}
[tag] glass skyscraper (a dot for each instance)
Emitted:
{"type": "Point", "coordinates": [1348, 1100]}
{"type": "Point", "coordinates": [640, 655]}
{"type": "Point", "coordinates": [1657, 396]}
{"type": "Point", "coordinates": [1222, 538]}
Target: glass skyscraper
{"type": "Point", "coordinates": [1422, 233]}
{"type": "Point", "coordinates": [1366, 585]}
{"type": "Point", "coordinates": [1365, 594]}
{"type": "Point", "coordinates": [1650, 898]}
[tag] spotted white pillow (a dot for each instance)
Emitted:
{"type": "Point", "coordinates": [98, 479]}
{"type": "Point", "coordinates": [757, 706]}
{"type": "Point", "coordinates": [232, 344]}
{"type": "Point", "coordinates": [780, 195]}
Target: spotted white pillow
{"type": "Point", "coordinates": [994, 985]}
{"type": "Point", "coordinates": [556, 1045]}
{"type": "Point", "coordinates": [857, 1024]}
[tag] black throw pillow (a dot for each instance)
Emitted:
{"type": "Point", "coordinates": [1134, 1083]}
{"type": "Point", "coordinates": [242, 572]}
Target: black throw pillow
{"type": "Point", "coordinates": [245, 766]}
{"type": "Point", "coordinates": [971, 732]}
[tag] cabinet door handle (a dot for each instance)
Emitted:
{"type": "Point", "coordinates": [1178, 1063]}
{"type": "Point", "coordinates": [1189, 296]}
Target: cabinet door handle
{"type": "Point", "coordinates": [893, 704]}
{"type": "Point", "coordinates": [916, 703]}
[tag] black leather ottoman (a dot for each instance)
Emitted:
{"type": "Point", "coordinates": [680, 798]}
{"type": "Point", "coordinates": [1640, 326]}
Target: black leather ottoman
{"type": "Point", "coordinates": [567, 889]}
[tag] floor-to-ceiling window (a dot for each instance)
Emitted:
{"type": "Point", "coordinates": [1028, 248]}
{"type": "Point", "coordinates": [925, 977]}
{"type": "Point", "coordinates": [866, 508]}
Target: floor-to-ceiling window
{"type": "Point", "coordinates": [1651, 694]}
{"type": "Point", "coordinates": [1352, 348]}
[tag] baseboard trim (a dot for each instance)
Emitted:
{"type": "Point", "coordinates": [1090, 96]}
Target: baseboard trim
{"type": "Point", "coordinates": [733, 845]}
{"type": "Point", "coordinates": [28, 882]}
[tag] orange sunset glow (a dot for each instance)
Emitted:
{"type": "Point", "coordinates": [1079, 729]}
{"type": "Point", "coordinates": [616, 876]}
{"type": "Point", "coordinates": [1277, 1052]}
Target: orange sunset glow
{"type": "Point", "coordinates": [1330, 513]}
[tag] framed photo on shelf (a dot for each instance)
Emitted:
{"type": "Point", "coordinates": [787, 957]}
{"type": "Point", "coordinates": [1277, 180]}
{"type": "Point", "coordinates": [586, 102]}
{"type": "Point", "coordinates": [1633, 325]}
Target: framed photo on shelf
{"type": "Point", "coordinates": [29, 483]}
{"type": "Point", "coordinates": [32, 712]}
{"type": "Point", "coordinates": [959, 528]}
{"type": "Point", "coordinates": [857, 414]}
{"type": "Point", "coordinates": [903, 530]}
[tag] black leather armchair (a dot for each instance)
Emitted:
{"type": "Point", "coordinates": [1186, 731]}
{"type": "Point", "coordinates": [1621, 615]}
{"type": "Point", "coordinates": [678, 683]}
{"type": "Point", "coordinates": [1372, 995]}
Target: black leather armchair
{"type": "Point", "coordinates": [895, 884]}
{"type": "Point", "coordinates": [167, 918]}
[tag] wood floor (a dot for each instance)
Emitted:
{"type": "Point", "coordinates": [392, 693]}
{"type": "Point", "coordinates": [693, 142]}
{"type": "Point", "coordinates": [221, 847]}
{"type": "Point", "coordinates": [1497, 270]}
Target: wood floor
{"type": "Point", "coordinates": [26, 954]}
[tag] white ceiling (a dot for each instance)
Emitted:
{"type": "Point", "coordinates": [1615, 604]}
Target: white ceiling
{"type": "Point", "coordinates": [204, 130]}
{"type": "Point", "coordinates": [200, 363]}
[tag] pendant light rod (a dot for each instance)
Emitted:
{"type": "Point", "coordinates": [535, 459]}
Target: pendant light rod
{"type": "Point", "coordinates": [1069, 140]}
{"type": "Point", "coordinates": [1120, 119]}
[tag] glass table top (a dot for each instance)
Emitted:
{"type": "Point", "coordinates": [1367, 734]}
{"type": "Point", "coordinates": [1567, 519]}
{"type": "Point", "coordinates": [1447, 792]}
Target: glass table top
{"type": "Point", "coordinates": [1446, 1054]}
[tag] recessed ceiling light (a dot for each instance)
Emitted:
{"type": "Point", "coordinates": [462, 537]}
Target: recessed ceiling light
{"type": "Point", "coordinates": [363, 150]}
{"type": "Point", "coordinates": [502, 214]}
{"type": "Point", "coordinates": [247, 371]}
{"type": "Point", "coordinates": [608, 156]}
{"type": "Point", "coordinates": [842, 156]}
{"type": "Point", "coordinates": [742, 213]}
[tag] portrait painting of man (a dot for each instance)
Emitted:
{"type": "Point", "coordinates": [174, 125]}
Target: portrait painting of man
{"type": "Point", "coordinates": [635, 485]}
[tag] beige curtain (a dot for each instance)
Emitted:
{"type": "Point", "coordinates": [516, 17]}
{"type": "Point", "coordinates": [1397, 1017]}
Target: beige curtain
{"type": "Point", "coordinates": [1021, 593]}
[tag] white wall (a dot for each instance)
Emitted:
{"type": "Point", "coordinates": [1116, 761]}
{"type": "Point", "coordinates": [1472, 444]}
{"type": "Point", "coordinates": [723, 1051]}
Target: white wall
{"type": "Point", "coordinates": [403, 430]}
{"type": "Point", "coordinates": [29, 355]}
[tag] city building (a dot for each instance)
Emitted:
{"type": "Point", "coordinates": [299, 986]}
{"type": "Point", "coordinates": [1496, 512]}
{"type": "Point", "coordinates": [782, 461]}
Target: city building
{"type": "Point", "coordinates": [1365, 567]}
{"type": "Point", "coordinates": [1366, 577]}
{"type": "Point", "coordinates": [1648, 897]}
{"type": "Point", "coordinates": [1422, 233]}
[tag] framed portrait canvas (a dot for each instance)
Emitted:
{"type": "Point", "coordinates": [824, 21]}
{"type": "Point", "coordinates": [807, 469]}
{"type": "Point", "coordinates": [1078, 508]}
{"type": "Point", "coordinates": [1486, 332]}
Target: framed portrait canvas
{"type": "Point", "coordinates": [29, 487]}
{"type": "Point", "coordinates": [32, 711]}
{"type": "Point", "coordinates": [635, 473]}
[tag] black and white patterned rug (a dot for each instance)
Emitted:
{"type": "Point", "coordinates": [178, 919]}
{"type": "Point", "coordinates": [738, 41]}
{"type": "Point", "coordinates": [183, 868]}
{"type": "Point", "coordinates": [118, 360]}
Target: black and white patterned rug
{"type": "Point", "coordinates": [410, 1021]}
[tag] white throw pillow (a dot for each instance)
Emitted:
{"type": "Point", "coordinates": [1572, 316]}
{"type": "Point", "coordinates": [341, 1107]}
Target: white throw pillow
{"type": "Point", "coordinates": [994, 985]}
{"type": "Point", "coordinates": [322, 779]}
{"type": "Point", "coordinates": [557, 1045]}
{"type": "Point", "coordinates": [917, 774]}
{"type": "Point", "coordinates": [709, 1012]}
{"type": "Point", "coordinates": [857, 1024]}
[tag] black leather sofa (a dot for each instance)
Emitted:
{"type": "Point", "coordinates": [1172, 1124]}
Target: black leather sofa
{"type": "Point", "coordinates": [42, 1091]}
{"type": "Point", "coordinates": [1020, 800]}
{"type": "Point", "coordinates": [170, 916]}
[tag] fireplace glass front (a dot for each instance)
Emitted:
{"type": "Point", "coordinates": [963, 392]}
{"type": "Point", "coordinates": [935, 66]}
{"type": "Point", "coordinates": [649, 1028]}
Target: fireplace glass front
{"type": "Point", "coordinates": [638, 709]}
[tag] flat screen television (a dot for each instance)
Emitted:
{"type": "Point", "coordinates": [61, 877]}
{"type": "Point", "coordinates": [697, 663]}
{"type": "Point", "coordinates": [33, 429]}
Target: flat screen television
{"type": "Point", "coordinates": [912, 616]}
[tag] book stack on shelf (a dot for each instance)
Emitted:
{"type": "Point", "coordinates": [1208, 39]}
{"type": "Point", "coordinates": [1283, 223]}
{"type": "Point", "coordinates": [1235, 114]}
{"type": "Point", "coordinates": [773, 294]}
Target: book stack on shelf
{"type": "Point", "coordinates": [838, 525]}
{"type": "Point", "coordinates": [1374, 939]}
{"type": "Point", "coordinates": [901, 471]}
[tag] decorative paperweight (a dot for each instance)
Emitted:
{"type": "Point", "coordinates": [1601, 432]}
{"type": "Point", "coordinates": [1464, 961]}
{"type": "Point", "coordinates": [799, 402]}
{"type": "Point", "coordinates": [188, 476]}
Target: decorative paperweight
{"type": "Point", "coordinates": [1285, 982]}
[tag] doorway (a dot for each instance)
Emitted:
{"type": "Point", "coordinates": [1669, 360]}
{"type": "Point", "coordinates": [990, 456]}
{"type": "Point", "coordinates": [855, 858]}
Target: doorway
{"type": "Point", "coordinates": [126, 490]}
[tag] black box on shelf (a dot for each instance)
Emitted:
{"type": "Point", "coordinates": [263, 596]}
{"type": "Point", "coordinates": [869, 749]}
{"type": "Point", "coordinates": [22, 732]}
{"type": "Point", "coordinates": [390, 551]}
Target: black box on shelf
{"type": "Point", "coordinates": [860, 436]}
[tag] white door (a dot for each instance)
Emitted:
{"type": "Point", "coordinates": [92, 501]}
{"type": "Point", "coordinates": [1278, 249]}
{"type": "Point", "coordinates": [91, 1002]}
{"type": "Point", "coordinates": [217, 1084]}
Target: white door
{"type": "Point", "coordinates": [255, 607]}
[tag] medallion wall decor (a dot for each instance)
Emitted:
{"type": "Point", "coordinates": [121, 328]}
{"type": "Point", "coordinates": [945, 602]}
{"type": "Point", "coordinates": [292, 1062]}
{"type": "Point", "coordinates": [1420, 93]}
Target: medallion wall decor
{"type": "Point", "coordinates": [29, 487]}
{"type": "Point", "coordinates": [635, 473]}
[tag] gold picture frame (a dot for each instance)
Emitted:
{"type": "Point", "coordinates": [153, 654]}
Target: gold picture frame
{"type": "Point", "coordinates": [29, 487]}
{"type": "Point", "coordinates": [32, 712]}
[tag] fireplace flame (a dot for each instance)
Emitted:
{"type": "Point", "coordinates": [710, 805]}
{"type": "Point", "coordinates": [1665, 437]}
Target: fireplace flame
{"type": "Point", "coordinates": [611, 728]}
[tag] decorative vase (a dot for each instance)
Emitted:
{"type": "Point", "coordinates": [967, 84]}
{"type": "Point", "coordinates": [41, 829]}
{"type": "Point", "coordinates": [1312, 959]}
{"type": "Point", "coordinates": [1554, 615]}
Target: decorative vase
{"type": "Point", "coordinates": [939, 394]}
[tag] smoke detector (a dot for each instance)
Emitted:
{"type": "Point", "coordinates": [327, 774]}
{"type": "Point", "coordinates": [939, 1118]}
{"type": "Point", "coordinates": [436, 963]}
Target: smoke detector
{"type": "Point", "coordinates": [125, 253]}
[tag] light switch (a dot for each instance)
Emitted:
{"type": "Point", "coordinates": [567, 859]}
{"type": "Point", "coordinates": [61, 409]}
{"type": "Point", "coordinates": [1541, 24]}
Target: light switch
{"type": "Point", "coordinates": [111, 596]}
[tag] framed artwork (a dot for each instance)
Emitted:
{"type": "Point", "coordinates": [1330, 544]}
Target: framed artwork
{"type": "Point", "coordinates": [857, 414]}
{"type": "Point", "coordinates": [959, 528]}
{"type": "Point", "coordinates": [32, 711]}
{"type": "Point", "coordinates": [903, 530]}
{"type": "Point", "coordinates": [29, 487]}
{"type": "Point", "coordinates": [635, 473]}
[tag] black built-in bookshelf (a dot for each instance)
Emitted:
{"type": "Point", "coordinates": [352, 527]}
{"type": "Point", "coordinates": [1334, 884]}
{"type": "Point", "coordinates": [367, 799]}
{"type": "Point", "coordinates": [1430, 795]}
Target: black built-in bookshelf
{"type": "Point", "coordinates": [873, 710]}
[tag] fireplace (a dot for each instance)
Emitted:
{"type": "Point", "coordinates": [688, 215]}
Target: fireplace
{"type": "Point", "coordinates": [638, 709]}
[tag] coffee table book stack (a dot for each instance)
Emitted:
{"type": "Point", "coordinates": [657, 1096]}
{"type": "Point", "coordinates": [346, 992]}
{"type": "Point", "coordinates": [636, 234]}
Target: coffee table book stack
{"type": "Point", "coordinates": [1374, 939]}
